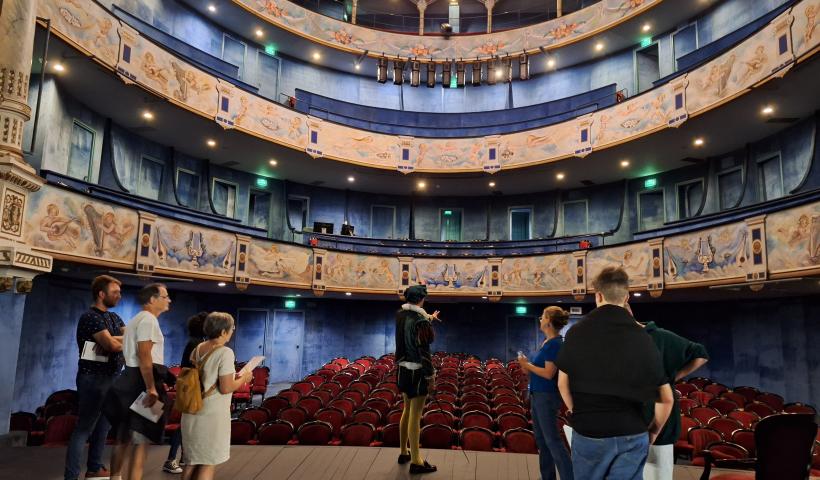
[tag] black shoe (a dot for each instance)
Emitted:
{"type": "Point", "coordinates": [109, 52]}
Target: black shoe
{"type": "Point", "coordinates": [404, 459]}
{"type": "Point", "coordinates": [426, 468]}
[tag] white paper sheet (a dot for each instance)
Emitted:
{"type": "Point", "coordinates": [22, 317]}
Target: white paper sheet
{"type": "Point", "coordinates": [89, 353]}
{"type": "Point", "coordinates": [153, 413]}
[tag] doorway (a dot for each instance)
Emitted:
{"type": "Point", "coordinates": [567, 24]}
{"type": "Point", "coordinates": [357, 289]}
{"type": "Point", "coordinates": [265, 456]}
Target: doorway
{"type": "Point", "coordinates": [647, 67]}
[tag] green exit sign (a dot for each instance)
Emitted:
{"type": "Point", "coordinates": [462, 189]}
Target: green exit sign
{"type": "Point", "coordinates": [448, 212]}
{"type": "Point", "coordinates": [453, 81]}
{"type": "Point", "coordinates": [521, 310]}
{"type": "Point", "coordinates": [270, 50]}
{"type": "Point", "coordinates": [646, 41]}
{"type": "Point", "coordinates": [261, 182]}
{"type": "Point", "coordinates": [650, 183]}
{"type": "Point", "coordinates": [290, 303]}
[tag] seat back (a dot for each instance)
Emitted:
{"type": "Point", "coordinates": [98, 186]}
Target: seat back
{"type": "Point", "coordinates": [763, 410]}
{"type": "Point", "coordinates": [311, 404]}
{"type": "Point", "coordinates": [257, 415]}
{"type": "Point", "coordinates": [687, 404]}
{"type": "Point", "coordinates": [393, 416]}
{"type": "Point", "coordinates": [715, 389]}
{"type": "Point", "coordinates": [477, 419]}
{"type": "Point", "coordinates": [703, 414]}
{"type": "Point", "coordinates": [479, 406]}
{"type": "Point", "coordinates": [361, 386]}
{"type": "Point", "coordinates": [725, 426]}
{"type": "Point", "coordinates": [784, 445]}
{"type": "Point", "coordinates": [511, 420]}
{"type": "Point", "coordinates": [316, 432]}
{"type": "Point", "coordinates": [438, 417]}
{"type": "Point", "coordinates": [22, 421]}
{"type": "Point", "coordinates": [798, 407]}
{"type": "Point", "coordinates": [59, 429]}
{"type": "Point", "coordinates": [355, 396]}
{"type": "Point", "coordinates": [379, 404]}
{"type": "Point", "coordinates": [277, 432]}
{"type": "Point", "coordinates": [771, 399]}
{"type": "Point", "coordinates": [508, 408]}
{"type": "Point", "coordinates": [745, 438]}
{"type": "Point", "coordinates": [390, 435]}
{"type": "Point", "coordinates": [344, 404]}
{"type": "Point", "coordinates": [367, 415]}
{"type": "Point", "coordinates": [333, 416]}
{"type": "Point", "coordinates": [685, 388]}
{"type": "Point", "coordinates": [295, 415]}
{"type": "Point", "coordinates": [383, 393]}
{"type": "Point", "coordinates": [687, 423]}
{"type": "Point", "coordinates": [436, 435]}
{"type": "Point", "coordinates": [701, 437]}
{"type": "Point", "coordinates": [747, 418]}
{"type": "Point", "coordinates": [519, 440]}
{"type": "Point", "coordinates": [723, 405]}
{"type": "Point", "coordinates": [476, 438]}
{"type": "Point", "coordinates": [727, 451]}
{"type": "Point", "coordinates": [275, 404]}
{"type": "Point", "coordinates": [292, 396]}
{"type": "Point", "coordinates": [357, 434]}
{"type": "Point", "coordinates": [702, 397]}
{"type": "Point", "coordinates": [242, 431]}
{"type": "Point", "coordinates": [739, 399]}
{"type": "Point", "coordinates": [69, 396]}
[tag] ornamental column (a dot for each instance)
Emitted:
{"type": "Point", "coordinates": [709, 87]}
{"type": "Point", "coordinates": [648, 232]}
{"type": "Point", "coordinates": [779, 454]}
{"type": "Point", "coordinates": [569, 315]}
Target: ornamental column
{"type": "Point", "coordinates": [422, 6]}
{"type": "Point", "coordinates": [489, 5]}
{"type": "Point", "coordinates": [353, 12]}
{"type": "Point", "coordinates": [18, 263]}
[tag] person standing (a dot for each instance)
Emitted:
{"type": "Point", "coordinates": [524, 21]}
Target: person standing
{"type": "Point", "coordinates": [609, 368]}
{"type": "Point", "coordinates": [94, 378]}
{"type": "Point", "coordinates": [414, 334]}
{"type": "Point", "coordinates": [143, 347]}
{"type": "Point", "coordinates": [680, 358]}
{"type": "Point", "coordinates": [206, 434]}
{"type": "Point", "coordinates": [545, 401]}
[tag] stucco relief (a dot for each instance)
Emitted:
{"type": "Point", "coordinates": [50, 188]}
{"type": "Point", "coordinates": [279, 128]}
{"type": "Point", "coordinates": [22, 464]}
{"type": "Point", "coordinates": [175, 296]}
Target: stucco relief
{"type": "Point", "coordinates": [805, 31]}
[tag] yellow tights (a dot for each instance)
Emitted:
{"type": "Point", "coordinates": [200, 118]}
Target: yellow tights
{"type": "Point", "coordinates": [410, 427]}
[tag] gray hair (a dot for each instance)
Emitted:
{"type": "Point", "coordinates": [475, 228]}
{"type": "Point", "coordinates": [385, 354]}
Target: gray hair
{"type": "Point", "coordinates": [216, 323]}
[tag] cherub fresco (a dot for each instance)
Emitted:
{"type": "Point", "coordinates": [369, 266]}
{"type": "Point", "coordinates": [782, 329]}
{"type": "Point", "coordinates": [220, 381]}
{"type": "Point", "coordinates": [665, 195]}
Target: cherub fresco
{"type": "Point", "coordinates": [268, 120]}
{"type": "Point", "coordinates": [188, 83]}
{"type": "Point", "coordinates": [798, 233]}
{"type": "Point", "coordinates": [381, 273]}
{"type": "Point", "coordinates": [811, 22]}
{"type": "Point", "coordinates": [59, 228]}
{"type": "Point", "coordinates": [718, 76]}
{"type": "Point", "coordinates": [270, 7]}
{"type": "Point", "coordinates": [514, 276]}
{"type": "Point", "coordinates": [563, 30]}
{"type": "Point", "coordinates": [154, 71]}
{"type": "Point", "coordinates": [295, 129]}
{"type": "Point", "coordinates": [753, 65]}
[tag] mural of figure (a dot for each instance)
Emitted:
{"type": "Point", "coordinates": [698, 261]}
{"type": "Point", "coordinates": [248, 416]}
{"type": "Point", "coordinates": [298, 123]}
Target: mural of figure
{"type": "Point", "coordinates": [243, 110]}
{"type": "Point", "coordinates": [754, 65]}
{"type": "Point", "coordinates": [513, 277]}
{"type": "Point", "coordinates": [811, 23]}
{"type": "Point", "coordinates": [270, 7]}
{"type": "Point", "coordinates": [60, 228]}
{"type": "Point", "coordinates": [101, 39]}
{"type": "Point", "coordinates": [381, 273]}
{"type": "Point", "coordinates": [113, 231]}
{"type": "Point", "coordinates": [635, 266]}
{"type": "Point", "coordinates": [295, 127]}
{"type": "Point", "coordinates": [814, 240]}
{"type": "Point", "coordinates": [268, 121]}
{"type": "Point", "coordinates": [798, 233]}
{"type": "Point", "coordinates": [188, 83]}
{"type": "Point", "coordinates": [154, 71]}
{"type": "Point", "coordinates": [657, 112]}
{"type": "Point", "coordinates": [719, 76]}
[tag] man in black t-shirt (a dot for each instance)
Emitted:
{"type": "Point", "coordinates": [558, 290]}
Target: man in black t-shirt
{"type": "Point", "coordinates": [608, 369]}
{"type": "Point", "coordinates": [95, 376]}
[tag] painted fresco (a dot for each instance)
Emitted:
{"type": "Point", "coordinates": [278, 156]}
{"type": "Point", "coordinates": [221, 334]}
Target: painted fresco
{"type": "Point", "coordinates": [635, 259]}
{"type": "Point", "coordinates": [191, 248]}
{"type": "Point", "coordinates": [543, 273]}
{"type": "Point", "coordinates": [634, 117]}
{"type": "Point", "coordinates": [86, 24]}
{"type": "Point", "coordinates": [361, 271]}
{"type": "Point", "coordinates": [143, 62]}
{"type": "Point", "coordinates": [268, 120]}
{"type": "Point", "coordinates": [361, 146]}
{"type": "Point", "coordinates": [450, 274]}
{"type": "Point", "coordinates": [72, 224]}
{"type": "Point", "coordinates": [553, 33]}
{"type": "Point", "coordinates": [805, 31]}
{"type": "Point", "coordinates": [711, 254]}
{"type": "Point", "coordinates": [738, 69]}
{"type": "Point", "coordinates": [793, 238]}
{"type": "Point", "coordinates": [280, 263]}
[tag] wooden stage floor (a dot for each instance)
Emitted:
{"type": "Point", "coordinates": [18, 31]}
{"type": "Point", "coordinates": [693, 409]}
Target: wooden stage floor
{"type": "Point", "coordinates": [309, 463]}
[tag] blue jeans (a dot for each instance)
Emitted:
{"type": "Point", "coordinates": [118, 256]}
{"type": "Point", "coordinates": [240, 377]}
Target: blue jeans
{"type": "Point", "coordinates": [551, 449]}
{"type": "Point", "coordinates": [92, 426]}
{"type": "Point", "coordinates": [612, 458]}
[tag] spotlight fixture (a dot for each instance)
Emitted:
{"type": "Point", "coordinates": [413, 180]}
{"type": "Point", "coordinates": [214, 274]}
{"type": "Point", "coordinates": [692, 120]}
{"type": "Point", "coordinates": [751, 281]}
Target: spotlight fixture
{"type": "Point", "coordinates": [476, 77]}
{"type": "Point", "coordinates": [698, 142]}
{"type": "Point", "coordinates": [484, 298]}
{"type": "Point", "coordinates": [347, 294]}
{"type": "Point", "coordinates": [446, 29]}
{"type": "Point", "coordinates": [212, 8]}
{"type": "Point", "coordinates": [415, 73]}
{"type": "Point", "coordinates": [381, 70]}
{"type": "Point", "coordinates": [317, 55]}
{"type": "Point", "coordinates": [551, 62]}
{"type": "Point", "coordinates": [357, 66]}
{"type": "Point", "coordinates": [58, 67]}
{"type": "Point", "coordinates": [421, 185]}
{"type": "Point", "coordinates": [431, 75]}
{"type": "Point", "coordinates": [492, 77]}
{"type": "Point", "coordinates": [259, 32]}
{"type": "Point", "coordinates": [767, 110]}
{"type": "Point", "coordinates": [147, 115]}
{"type": "Point", "coordinates": [446, 74]}
{"type": "Point", "coordinates": [221, 284]}
{"type": "Point", "coordinates": [559, 176]}
{"type": "Point", "coordinates": [460, 73]}
{"type": "Point", "coordinates": [350, 179]}
{"type": "Point", "coordinates": [211, 142]}
{"type": "Point", "coordinates": [507, 69]}
{"type": "Point", "coordinates": [523, 67]}
{"type": "Point", "coordinates": [599, 46]}
{"type": "Point", "coordinates": [491, 184]}
{"type": "Point", "coordinates": [273, 163]}
{"type": "Point", "coordinates": [398, 72]}
{"type": "Point", "coordinates": [646, 27]}
{"type": "Point", "coordinates": [637, 294]}
{"type": "Point", "coordinates": [624, 163]}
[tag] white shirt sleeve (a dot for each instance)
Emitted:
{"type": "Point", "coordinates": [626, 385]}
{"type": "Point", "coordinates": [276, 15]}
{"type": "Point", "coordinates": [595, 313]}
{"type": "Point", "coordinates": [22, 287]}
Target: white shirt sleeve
{"type": "Point", "coordinates": [226, 362]}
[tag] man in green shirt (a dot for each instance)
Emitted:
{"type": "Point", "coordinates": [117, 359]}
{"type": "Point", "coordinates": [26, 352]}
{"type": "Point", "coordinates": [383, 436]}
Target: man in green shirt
{"type": "Point", "coordinates": [680, 357]}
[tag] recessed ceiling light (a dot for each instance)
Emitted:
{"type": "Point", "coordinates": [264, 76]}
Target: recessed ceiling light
{"type": "Point", "coordinates": [551, 62]}
{"type": "Point", "coordinates": [212, 8]}
{"type": "Point", "coordinates": [221, 284]}
{"type": "Point", "coordinates": [358, 67]}
{"type": "Point", "coordinates": [484, 298]}
{"type": "Point", "coordinates": [259, 32]}
{"type": "Point", "coordinates": [147, 115]}
{"type": "Point", "coordinates": [698, 142]}
{"type": "Point", "coordinates": [637, 294]}
{"type": "Point", "coordinates": [273, 163]}
{"type": "Point", "coordinates": [211, 143]}
{"type": "Point", "coordinates": [599, 46]}
{"type": "Point", "coordinates": [492, 184]}
{"type": "Point", "coordinates": [559, 176]}
{"type": "Point", "coordinates": [317, 55]}
{"type": "Point", "coordinates": [646, 27]}
{"type": "Point", "coordinates": [767, 110]}
{"type": "Point", "coordinates": [347, 294]}
{"type": "Point", "coordinates": [298, 295]}
{"type": "Point", "coordinates": [421, 185]}
{"type": "Point", "coordinates": [624, 163]}
{"type": "Point", "coordinates": [351, 179]}
{"type": "Point", "coordinates": [58, 67]}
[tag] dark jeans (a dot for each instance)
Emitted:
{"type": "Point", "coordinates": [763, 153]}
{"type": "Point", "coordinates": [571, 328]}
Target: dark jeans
{"type": "Point", "coordinates": [92, 426]}
{"type": "Point", "coordinates": [551, 449]}
{"type": "Point", "coordinates": [613, 458]}
{"type": "Point", "coordinates": [176, 442]}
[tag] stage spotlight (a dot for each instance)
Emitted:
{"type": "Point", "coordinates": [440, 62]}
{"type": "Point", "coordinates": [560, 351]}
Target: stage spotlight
{"type": "Point", "coordinates": [415, 73]}
{"type": "Point", "coordinates": [431, 75]}
{"type": "Point", "coordinates": [491, 69]}
{"type": "Point", "coordinates": [524, 67]}
{"type": "Point", "coordinates": [476, 78]}
{"type": "Point", "coordinates": [381, 70]}
{"type": "Point", "coordinates": [460, 74]}
{"type": "Point", "coordinates": [507, 69]}
{"type": "Point", "coordinates": [398, 72]}
{"type": "Point", "coordinates": [445, 74]}
{"type": "Point", "coordinates": [446, 29]}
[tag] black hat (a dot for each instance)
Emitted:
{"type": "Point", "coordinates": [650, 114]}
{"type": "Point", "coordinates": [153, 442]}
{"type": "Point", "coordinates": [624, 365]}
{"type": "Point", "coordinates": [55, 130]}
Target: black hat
{"type": "Point", "coordinates": [415, 293]}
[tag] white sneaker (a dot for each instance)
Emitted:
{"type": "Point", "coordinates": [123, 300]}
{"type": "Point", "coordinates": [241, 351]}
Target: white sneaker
{"type": "Point", "coordinates": [171, 466]}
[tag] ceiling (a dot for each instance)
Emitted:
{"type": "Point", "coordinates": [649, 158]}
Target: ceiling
{"type": "Point", "coordinates": [663, 17]}
{"type": "Point", "coordinates": [724, 129]}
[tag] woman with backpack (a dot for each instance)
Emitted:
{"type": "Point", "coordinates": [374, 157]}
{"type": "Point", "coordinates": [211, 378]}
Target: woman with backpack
{"type": "Point", "coordinates": [206, 433]}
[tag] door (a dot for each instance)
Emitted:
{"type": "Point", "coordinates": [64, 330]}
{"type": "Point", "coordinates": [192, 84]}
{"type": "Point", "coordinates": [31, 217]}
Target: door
{"type": "Point", "coordinates": [285, 345]}
{"type": "Point", "coordinates": [249, 338]}
{"type": "Point", "coordinates": [523, 335]}
{"type": "Point", "coordinates": [647, 67]}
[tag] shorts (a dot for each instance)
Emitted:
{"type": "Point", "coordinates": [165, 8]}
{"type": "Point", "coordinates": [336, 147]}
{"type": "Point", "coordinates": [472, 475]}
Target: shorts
{"type": "Point", "coordinates": [413, 383]}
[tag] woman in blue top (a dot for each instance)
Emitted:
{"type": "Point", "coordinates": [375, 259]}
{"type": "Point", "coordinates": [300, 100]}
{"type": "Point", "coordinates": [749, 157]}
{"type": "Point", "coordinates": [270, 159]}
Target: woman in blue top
{"type": "Point", "coordinates": [545, 400]}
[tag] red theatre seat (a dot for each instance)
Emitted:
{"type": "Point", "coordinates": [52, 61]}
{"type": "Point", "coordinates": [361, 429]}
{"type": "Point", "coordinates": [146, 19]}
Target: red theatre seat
{"type": "Point", "coordinates": [316, 432]}
{"type": "Point", "coordinates": [436, 436]}
{"type": "Point", "coordinates": [519, 440]}
{"type": "Point", "coordinates": [277, 432]}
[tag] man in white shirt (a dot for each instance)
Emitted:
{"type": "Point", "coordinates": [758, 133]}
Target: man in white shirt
{"type": "Point", "coordinates": [143, 345]}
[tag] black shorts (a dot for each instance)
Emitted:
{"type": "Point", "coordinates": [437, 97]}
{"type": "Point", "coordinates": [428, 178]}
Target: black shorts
{"type": "Point", "coordinates": [413, 383]}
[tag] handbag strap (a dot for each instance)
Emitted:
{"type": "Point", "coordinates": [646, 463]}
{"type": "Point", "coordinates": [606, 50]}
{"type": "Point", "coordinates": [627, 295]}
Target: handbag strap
{"type": "Point", "coordinates": [200, 364]}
